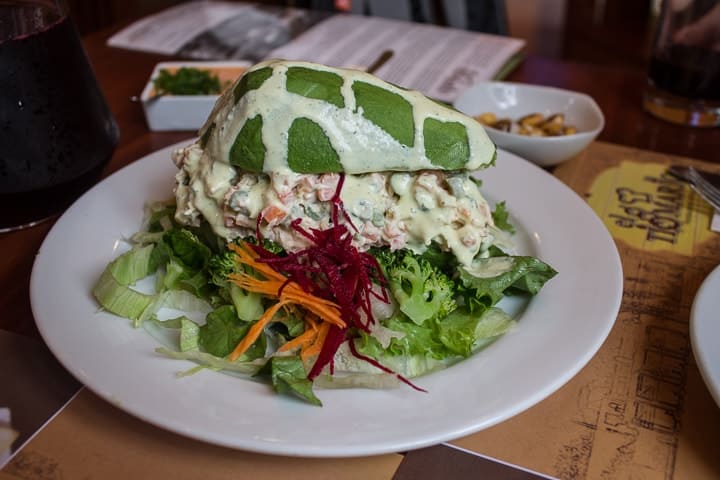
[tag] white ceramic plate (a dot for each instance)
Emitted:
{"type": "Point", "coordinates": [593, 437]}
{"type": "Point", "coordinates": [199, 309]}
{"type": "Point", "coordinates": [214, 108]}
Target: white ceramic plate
{"type": "Point", "coordinates": [705, 332]}
{"type": "Point", "coordinates": [559, 331]}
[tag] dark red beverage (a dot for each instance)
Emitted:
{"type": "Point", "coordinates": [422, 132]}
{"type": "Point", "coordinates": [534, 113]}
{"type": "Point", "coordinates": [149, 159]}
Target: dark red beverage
{"type": "Point", "coordinates": [687, 71]}
{"type": "Point", "coordinates": [56, 131]}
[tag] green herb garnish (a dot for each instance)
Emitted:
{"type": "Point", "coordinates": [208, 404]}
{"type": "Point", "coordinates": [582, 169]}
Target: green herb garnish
{"type": "Point", "coordinates": [187, 81]}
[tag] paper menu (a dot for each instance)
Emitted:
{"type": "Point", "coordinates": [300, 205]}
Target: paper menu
{"type": "Point", "coordinates": [216, 30]}
{"type": "Point", "coordinates": [439, 61]}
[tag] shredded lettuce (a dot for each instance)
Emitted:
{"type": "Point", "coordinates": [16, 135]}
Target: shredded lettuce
{"type": "Point", "coordinates": [120, 299]}
{"type": "Point", "coordinates": [209, 360]}
{"type": "Point", "coordinates": [357, 380]}
{"type": "Point", "coordinates": [113, 290]}
{"type": "Point", "coordinates": [439, 313]}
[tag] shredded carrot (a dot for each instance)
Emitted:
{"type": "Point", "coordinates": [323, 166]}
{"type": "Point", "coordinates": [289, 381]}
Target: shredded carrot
{"type": "Point", "coordinates": [302, 341]}
{"type": "Point", "coordinates": [314, 349]}
{"type": "Point", "coordinates": [288, 294]}
{"type": "Point", "coordinates": [255, 331]}
{"type": "Point", "coordinates": [247, 257]}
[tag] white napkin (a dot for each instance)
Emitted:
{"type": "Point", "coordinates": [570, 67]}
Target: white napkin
{"type": "Point", "coordinates": [715, 224]}
{"type": "Point", "coordinates": [7, 435]}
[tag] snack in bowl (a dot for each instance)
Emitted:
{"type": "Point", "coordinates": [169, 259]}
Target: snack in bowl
{"type": "Point", "coordinates": [531, 103]}
{"type": "Point", "coordinates": [330, 226]}
{"type": "Point", "coordinates": [534, 124]}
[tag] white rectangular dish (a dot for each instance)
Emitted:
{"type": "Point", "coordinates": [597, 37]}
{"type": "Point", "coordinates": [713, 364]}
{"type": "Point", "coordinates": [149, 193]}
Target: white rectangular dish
{"type": "Point", "coordinates": [185, 112]}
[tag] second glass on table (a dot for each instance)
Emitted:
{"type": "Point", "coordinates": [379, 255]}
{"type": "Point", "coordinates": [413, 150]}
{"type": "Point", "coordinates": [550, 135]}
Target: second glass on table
{"type": "Point", "coordinates": [684, 73]}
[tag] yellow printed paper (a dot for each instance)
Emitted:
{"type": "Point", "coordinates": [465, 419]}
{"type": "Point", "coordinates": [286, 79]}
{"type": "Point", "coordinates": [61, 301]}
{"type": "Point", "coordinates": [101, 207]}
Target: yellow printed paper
{"type": "Point", "coordinates": [649, 209]}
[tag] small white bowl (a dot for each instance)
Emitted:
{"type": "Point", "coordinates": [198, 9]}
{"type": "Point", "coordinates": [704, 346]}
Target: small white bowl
{"type": "Point", "coordinates": [515, 100]}
{"type": "Point", "coordinates": [185, 112]}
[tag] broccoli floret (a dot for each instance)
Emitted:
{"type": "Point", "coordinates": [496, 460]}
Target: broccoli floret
{"type": "Point", "coordinates": [224, 263]}
{"type": "Point", "coordinates": [248, 304]}
{"type": "Point", "coordinates": [421, 290]}
{"type": "Point", "coordinates": [385, 257]}
{"type": "Point", "coordinates": [269, 245]}
{"type": "Point", "coordinates": [220, 266]}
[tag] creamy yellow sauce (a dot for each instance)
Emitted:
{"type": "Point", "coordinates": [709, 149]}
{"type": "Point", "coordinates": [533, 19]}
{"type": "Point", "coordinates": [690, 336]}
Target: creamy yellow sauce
{"type": "Point", "coordinates": [201, 186]}
{"type": "Point", "coordinates": [490, 267]}
{"type": "Point", "coordinates": [402, 210]}
{"type": "Point", "coordinates": [361, 145]}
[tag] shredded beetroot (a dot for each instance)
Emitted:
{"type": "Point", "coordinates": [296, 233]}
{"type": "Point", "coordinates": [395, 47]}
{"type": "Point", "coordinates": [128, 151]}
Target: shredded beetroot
{"type": "Point", "coordinates": [332, 268]}
{"type": "Point", "coordinates": [335, 337]}
{"type": "Point", "coordinates": [382, 367]}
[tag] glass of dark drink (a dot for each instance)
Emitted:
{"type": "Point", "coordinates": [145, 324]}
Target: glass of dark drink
{"type": "Point", "coordinates": [684, 73]}
{"type": "Point", "coordinates": [56, 131]}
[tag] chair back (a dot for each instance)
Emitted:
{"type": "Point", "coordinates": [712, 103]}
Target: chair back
{"type": "Point", "coordinates": [488, 16]}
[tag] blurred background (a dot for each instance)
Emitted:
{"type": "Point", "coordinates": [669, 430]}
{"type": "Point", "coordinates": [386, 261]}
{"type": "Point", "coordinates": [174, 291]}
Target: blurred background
{"type": "Point", "coordinates": [604, 32]}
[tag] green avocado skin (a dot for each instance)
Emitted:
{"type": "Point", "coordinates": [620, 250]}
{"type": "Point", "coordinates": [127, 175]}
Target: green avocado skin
{"type": "Point", "coordinates": [426, 136]}
{"type": "Point", "coordinates": [446, 143]}
{"type": "Point", "coordinates": [310, 150]}
{"type": "Point", "coordinates": [387, 110]}
{"type": "Point", "coordinates": [315, 84]}
{"type": "Point", "coordinates": [248, 149]}
{"type": "Point", "coordinates": [251, 81]}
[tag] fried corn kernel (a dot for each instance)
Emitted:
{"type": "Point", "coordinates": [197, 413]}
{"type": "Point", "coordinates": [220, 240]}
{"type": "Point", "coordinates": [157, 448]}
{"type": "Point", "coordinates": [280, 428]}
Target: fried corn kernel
{"type": "Point", "coordinates": [532, 120]}
{"type": "Point", "coordinates": [504, 124]}
{"type": "Point", "coordinates": [531, 131]}
{"type": "Point", "coordinates": [553, 128]}
{"type": "Point", "coordinates": [556, 118]}
{"type": "Point", "coordinates": [487, 118]}
{"type": "Point", "coordinates": [534, 124]}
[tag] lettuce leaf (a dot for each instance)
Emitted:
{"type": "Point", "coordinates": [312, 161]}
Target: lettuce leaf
{"type": "Point", "coordinates": [289, 376]}
{"type": "Point", "coordinates": [460, 334]}
{"type": "Point", "coordinates": [463, 333]}
{"type": "Point", "coordinates": [490, 279]}
{"type": "Point", "coordinates": [501, 218]}
{"type": "Point", "coordinates": [211, 361]}
{"type": "Point", "coordinates": [223, 330]}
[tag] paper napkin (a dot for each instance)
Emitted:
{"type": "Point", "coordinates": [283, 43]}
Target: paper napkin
{"type": "Point", "coordinates": [7, 435]}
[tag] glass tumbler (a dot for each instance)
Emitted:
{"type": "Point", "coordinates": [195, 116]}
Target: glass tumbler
{"type": "Point", "coordinates": [56, 131]}
{"type": "Point", "coordinates": [684, 73]}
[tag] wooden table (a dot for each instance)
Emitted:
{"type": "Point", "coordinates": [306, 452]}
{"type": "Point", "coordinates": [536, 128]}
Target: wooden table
{"type": "Point", "coordinates": [122, 74]}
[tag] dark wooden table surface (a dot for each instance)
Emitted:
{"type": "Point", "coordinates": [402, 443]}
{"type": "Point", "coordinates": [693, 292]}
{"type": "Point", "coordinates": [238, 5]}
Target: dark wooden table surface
{"type": "Point", "coordinates": [123, 73]}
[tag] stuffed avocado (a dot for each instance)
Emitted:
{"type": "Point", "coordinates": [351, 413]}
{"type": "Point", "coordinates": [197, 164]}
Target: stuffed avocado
{"type": "Point", "coordinates": [331, 225]}
{"type": "Point", "coordinates": [277, 142]}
